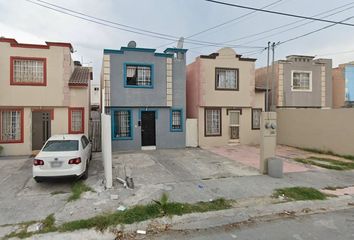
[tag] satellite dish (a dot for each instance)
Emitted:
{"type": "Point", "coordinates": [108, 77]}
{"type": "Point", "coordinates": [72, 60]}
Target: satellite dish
{"type": "Point", "coordinates": [132, 44]}
{"type": "Point", "coordinates": [180, 42]}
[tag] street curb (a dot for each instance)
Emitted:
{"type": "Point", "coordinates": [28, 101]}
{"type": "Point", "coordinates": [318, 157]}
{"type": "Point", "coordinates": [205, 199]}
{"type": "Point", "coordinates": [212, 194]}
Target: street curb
{"type": "Point", "coordinates": [197, 221]}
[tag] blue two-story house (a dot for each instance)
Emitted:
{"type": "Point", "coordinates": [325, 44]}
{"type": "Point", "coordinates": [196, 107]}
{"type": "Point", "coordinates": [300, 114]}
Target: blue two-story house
{"type": "Point", "coordinates": [145, 94]}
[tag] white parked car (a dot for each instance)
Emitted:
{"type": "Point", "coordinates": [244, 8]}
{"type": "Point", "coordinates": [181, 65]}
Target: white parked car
{"type": "Point", "coordinates": [65, 155]}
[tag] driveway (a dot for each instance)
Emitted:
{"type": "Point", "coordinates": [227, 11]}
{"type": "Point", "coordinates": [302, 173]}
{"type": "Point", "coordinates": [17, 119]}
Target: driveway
{"type": "Point", "coordinates": [22, 199]}
{"type": "Point", "coordinates": [250, 156]}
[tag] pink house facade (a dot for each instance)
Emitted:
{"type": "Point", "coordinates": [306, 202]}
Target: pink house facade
{"type": "Point", "coordinates": [222, 96]}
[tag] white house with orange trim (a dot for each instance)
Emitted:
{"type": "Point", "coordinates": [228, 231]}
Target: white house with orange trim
{"type": "Point", "coordinates": [42, 93]}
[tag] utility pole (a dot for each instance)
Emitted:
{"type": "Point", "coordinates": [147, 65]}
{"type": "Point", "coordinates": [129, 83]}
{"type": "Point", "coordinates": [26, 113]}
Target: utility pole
{"type": "Point", "coordinates": [267, 85]}
{"type": "Point", "coordinates": [273, 79]}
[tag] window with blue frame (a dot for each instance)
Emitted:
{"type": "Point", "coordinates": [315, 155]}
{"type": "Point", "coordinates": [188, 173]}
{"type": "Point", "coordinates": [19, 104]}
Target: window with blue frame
{"type": "Point", "coordinates": [176, 120]}
{"type": "Point", "coordinates": [122, 124]}
{"type": "Point", "coordinates": [138, 75]}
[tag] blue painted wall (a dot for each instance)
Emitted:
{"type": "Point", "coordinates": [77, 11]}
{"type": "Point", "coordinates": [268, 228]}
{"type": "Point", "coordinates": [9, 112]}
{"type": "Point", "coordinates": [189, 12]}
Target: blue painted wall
{"type": "Point", "coordinates": [154, 98]}
{"type": "Point", "coordinates": [349, 83]}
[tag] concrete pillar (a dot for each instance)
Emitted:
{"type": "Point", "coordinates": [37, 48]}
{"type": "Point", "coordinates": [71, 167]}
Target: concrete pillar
{"type": "Point", "coordinates": [268, 139]}
{"type": "Point", "coordinates": [107, 148]}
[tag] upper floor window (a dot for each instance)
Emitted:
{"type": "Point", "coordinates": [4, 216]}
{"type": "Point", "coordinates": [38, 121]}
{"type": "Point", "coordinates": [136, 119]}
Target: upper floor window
{"type": "Point", "coordinates": [28, 71]}
{"type": "Point", "coordinates": [226, 79]}
{"type": "Point", "coordinates": [138, 75]}
{"type": "Point", "coordinates": [301, 81]}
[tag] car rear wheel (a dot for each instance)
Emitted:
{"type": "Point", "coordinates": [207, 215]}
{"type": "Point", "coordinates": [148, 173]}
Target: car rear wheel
{"type": "Point", "coordinates": [38, 180]}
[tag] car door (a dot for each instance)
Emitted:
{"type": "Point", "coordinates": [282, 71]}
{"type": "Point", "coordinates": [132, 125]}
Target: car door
{"type": "Point", "coordinates": [88, 147]}
{"type": "Point", "coordinates": [84, 149]}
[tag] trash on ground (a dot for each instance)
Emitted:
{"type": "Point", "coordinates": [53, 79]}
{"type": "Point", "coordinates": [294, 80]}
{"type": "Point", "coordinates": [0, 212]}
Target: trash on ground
{"type": "Point", "coordinates": [114, 196]}
{"type": "Point", "coordinates": [121, 208]}
{"type": "Point", "coordinates": [141, 231]}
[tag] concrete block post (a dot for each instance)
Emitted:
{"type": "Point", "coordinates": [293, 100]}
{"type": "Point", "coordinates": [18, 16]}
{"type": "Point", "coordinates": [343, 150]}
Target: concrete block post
{"type": "Point", "coordinates": [268, 139]}
{"type": "Point", "coordinates": [107, 148]}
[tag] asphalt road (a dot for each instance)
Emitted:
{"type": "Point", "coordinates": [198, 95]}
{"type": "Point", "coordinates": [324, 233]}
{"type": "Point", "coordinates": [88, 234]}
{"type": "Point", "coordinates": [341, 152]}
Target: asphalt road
{"type": "Point", "coordinates": [337, 225]}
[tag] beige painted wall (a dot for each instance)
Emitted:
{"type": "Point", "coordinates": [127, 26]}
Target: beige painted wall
{"type": "Point", "coordinates": [247, 135]}
{"type": "Point", "coordinates": [201, 93]}
{"type": "Point", "coordinates": [56, 95]}
{"type": "Point", "coordinates": [50, 95]}
{"type": "Point", "coordinates": [226, 59]}
{"type": "Point", "coordinates": [324, 129]}
{"type": "Point", "coordinates": [80, 97]}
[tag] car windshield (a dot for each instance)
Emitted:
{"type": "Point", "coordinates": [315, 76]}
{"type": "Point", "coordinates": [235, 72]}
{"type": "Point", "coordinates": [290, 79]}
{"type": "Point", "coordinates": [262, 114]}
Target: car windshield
{"type": "Point", "coordinates": [61, 146]}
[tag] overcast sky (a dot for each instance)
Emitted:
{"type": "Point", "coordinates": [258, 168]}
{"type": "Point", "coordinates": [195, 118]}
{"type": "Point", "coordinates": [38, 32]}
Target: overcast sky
{"type": "Point", "coordinates": [30, 23]}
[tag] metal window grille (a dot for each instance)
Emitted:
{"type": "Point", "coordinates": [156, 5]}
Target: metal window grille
{"type": "Point", "coordinates": [226, 78]}
{"type": "Point", "coordinates": [76, 121]}
{"type": "Point", "coordinates": [10, 125]}
{"type": "Point", "coordinates": [122, 122]}
{"type": "Point", "coordinates": [212, 121]}
{"type": "Point", "coordinates": [301, 81]}
{"type": "Point", "coordinates": [176, 119]}
{"type": "Point", "coordinates": [256, 118]}
{"type": "Point", "coordinates": [28, 71]}
{"type": "Point", "coordinates": [139, 75]}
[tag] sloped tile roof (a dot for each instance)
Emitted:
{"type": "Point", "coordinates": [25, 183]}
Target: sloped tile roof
{"type": "Point", "coordinates": [80, 77]}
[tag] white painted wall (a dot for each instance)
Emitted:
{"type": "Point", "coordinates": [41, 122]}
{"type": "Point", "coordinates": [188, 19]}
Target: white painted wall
{"type": "Point", "coordinates": [191, 132]}
{"type": "Point", "coordinates": [107, 148]}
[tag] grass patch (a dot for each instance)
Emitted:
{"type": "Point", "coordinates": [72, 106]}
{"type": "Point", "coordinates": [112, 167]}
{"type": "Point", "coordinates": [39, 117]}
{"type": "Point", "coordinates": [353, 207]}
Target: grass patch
{"type": "Point", "coordinates": [77, 189]}
{"type": "Point", "coordinates": [141, 213]}
{"type": "Point", "coordinates": [327, 163]}
{"type": "Point", "coordinates": [333, 188]}
{"type": "Point", "coordinates": [349, 157]}
{"type": "Point", "coordinates": [138, 213]}
{"type": "Point", "coordinates": [47, 226]}
{"type": "Point", "coordinates": [300, 193]}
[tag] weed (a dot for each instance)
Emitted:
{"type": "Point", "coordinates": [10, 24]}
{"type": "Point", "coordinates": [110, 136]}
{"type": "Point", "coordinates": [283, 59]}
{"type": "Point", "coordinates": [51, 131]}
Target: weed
{"type": "Point", "coordinates": [77, 189]}
{"type": "Point", "coordinates": [138, 213]}
{"type": "Point", "coordinates": [327, 163]}
{"type": "Point", "coordinates": [299, 193]}
{"type": "Point", "coordinates": [57, 192]}
{"type": "Point", "coordinates": [333, 188]}
{"type": "Point", "coordinates": [349, 157]}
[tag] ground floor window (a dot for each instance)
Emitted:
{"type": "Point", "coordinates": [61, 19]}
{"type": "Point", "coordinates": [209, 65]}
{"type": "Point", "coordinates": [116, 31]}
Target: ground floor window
{"type": "Point", "coordinates": [212, 122]}
{"type": "Point", "coordinates": [11, 125]}
{"type": "Point", "coordinates": [122, 124]}
{"type": "Point", "coordinates": [256, 118]}
{"type": "Point", "coordinates": [76, 120]}
{"type": "Point", "coordinates": [176, 120]}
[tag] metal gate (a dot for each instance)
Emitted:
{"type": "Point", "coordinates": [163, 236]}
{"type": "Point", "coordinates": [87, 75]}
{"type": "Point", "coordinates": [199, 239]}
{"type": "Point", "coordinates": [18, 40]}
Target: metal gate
{"type": "Point", "coordinates": [95, 134]}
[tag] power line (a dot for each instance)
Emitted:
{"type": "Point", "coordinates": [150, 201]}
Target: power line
{"type": "Point", "coordinates": [285, 25]}
{"type": "Point", "coordinates": [297, 26]}
{"type": "Point", "coordinates": [314, 31]}
{"type": "Point", "coordinates": [280, 13]}
{"type": "Point", "coordinates": [135, 30]}
{"type": "Point", "coordinates": [288, 24]}
{"type": "Point", "coordinates": [221, 24]}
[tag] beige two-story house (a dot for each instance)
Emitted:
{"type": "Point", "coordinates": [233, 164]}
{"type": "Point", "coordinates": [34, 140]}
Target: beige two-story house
{"type": "Point", "coordinates": [42, 93]}
{"type": "Point", "coordinates": [222, 95]}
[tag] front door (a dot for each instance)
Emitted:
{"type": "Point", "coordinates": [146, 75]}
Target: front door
{"type": "Point", "coordinates": [41, 129]}
{"type": "Point", "coordinates": [148, 131]}
{"type": "Point", "coordinates": [234, 125]}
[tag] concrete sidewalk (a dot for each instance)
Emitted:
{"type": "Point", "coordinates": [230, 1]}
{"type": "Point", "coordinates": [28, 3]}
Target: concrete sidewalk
{"type": "Point", "coordinates": [156, 172]}
{"type": "Point", "coordinates": [209, 220]}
